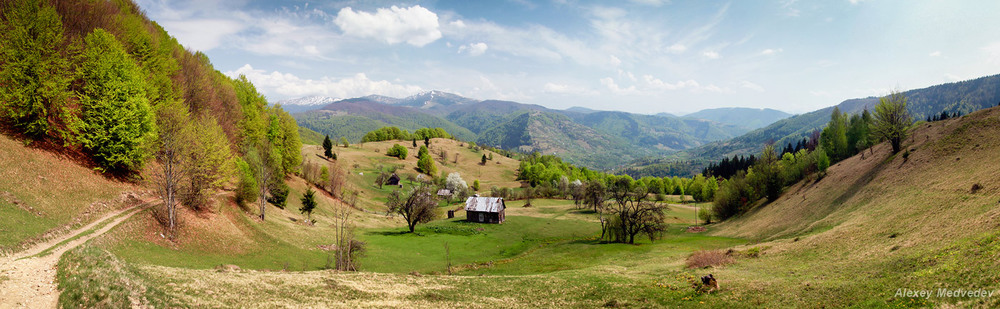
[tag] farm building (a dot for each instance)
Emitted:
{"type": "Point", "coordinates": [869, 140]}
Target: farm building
{"type": "Point", "coordinates": [485, 209]}
{"type": "Point", "coordinates": [393, 180]}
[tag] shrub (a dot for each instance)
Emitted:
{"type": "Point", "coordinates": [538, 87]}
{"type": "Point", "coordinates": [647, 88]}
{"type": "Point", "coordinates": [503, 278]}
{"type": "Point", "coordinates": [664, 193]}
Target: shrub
{"type": "Point", "coordinates": [397, 151]}
{"type": "Point", "coordinates": [733, 198]}
{"type": "Point", "coordinates": [705, 215]}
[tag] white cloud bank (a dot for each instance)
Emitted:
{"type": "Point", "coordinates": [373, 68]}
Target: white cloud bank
{"type": "Point", "coordinates": [414, 25]}
{"type": "Point", "coordinates": [293, 86]}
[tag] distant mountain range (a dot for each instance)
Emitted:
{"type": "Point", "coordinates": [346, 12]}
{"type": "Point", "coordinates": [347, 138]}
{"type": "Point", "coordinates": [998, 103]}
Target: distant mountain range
{"type": "Point", "coordinates": [596, 139]}
{"type": "Point", "coordinates": [662, 144]}
{"type": "Point", "coordinates": [751, 118]}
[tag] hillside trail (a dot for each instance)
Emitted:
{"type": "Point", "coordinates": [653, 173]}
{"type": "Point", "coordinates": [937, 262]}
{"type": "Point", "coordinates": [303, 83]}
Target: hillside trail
{"type": "Point", "coordinates": [28, 281]}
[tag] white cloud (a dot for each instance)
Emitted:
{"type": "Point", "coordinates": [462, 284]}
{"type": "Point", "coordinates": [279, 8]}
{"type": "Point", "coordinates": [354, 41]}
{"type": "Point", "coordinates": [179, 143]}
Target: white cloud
{"type": "Point", "coordinates": [289, 85]}
{"type": "Point", "coordinates": [567, 89]}
{"type": "Point", "coordinates": [936, 53]}
{"type": "Point", "coordinates": [677, 48]}
{"type": "Point", "coordinates": [656, 83]}
{"type": "Point", "coordinates": [992, 53]}
{"type": "Point", "coordinates": [474, 49]}
{"type": "Point", "coordinates": [650, 2]}
{"type": "Point", "coordinates": [415, 25]}
{"type": "Point", "coordinates": [820, 93]}
{"type": "Point", "coordinates": [615, 88]}
{"type": "Point", "coordinates": [711, 54]}
{"type": "Point", "coordinates": [770, 51]}
{"type": "Point", "coordinates": [202, 34]}
{"type": "Point", "coordinates": [615, 61]}
{"type": "Point", "coordinates": [951, 77]}
{"type": "Point", "coordinates": [752, 86]}
{"type": "Point", "coordinates": [854, 1]}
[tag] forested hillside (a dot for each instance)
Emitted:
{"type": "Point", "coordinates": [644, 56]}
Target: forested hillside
{"type": "Point", "coordinates": [100, 82]}
{"type": "Point", "coordinates": [960, 97]}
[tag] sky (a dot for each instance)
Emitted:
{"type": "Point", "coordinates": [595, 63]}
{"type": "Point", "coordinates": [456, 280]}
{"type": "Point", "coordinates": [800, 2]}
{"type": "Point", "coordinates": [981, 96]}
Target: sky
{"type": "Point", "coordinates": [640, 56]}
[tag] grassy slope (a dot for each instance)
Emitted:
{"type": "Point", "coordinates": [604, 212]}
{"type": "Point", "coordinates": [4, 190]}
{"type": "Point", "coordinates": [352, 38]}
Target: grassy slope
{"type": "Point", "coordinates": [45, 192]}
{"type": "Point", "coordinates": [885, 222]}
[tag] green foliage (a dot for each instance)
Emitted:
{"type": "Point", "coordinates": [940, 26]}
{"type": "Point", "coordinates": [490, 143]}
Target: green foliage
{"type": "Point", "coordinates": [422, 151]}
{"type": "Point", "coordinates": [343, 141]}
{"type": "Point", "coordinates": [475, 185]}
{"type": "Point", "coordinates": [208, 160]}
{"type": "Point", "coordinates": [892, 119]}
{"type": "Point", "coordinates": [283, 134]}
{"type": "Point", "coordinates": [834, 136]}
{"type": "Point", "coordinates": [116, 122]}
{"type": "Point", "coordinates": [734, 197]}
{"type": "Point", "coordinates": [822, 161]}
{"type": "Point", "coordinates": [308, 202]}
{"type": "Point", "coordinates": [279, 195]}
{"type": "Point", "coordinates": [426, 165]}
{"type": "Point", "coordinates": [705, 215]}
{"type": "Point", "coordinates": [253, 124]}
{"type": "Point", "coordinates": [327, 147]}
{"type": "Point", "coordinates": [397, 151]}
{"type": "Point", "coordinates": [483, 161]}
{"type": "Point", "coordinates": [385, 134]}
{"type": "Point", "coordinates": [34, 76]}
{"type": "Point", "coordinates": [246, 189]}
{"type": "Point", "coordinates": [427, 133]}
{"type": "Point", "coordinates": [766, 175]}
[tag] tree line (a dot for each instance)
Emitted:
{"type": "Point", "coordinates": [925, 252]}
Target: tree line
{"type": "Point", "coordinates": [844, 136]}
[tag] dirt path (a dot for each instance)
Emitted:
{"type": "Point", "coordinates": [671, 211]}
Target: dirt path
{"type": "Point", "coordinates": [31, 282]}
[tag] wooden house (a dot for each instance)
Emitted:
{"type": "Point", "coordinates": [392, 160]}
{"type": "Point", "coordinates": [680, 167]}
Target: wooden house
{"type": "Point", "coordinates": [485, 209]}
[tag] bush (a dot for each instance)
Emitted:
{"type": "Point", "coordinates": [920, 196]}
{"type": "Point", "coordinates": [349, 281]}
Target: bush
{"type": "Point", "coordinates": [705, 215]}
{"type": "Point", "coordinates": [397, 151]}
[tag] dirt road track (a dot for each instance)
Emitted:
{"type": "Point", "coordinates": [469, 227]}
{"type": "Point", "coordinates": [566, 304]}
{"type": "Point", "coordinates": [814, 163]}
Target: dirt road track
{"type": "Point", "coordinates": [31, 282]}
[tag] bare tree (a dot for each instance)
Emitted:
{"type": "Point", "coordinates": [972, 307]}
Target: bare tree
{"type": "Point", "coordinates": [347, 249]}
{"type": "Point", "coordinates": [263, 160]}
{"type": "Point", "coordinates": [172, 122]}
{"type": "Point", "coordinates": [416, 207]}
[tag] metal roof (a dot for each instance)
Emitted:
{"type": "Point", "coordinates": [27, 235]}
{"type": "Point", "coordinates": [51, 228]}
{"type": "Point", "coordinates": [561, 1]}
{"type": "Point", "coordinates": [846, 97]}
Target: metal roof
{"type": "Point", "coordinates": [484, 204]}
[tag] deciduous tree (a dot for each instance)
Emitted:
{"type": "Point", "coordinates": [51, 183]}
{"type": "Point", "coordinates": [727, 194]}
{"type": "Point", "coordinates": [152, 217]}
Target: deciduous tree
{"type": "Point", "coordinates": [417, 206]}
{"type": "Point", "coordinates": [892, 119]}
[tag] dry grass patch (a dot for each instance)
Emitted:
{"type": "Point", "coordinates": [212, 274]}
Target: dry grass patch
{"type": "Point", "coordinates": [709, 258]}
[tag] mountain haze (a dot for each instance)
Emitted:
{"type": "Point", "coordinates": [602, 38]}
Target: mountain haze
{"type": "Point", "coordinates": [750, 118]}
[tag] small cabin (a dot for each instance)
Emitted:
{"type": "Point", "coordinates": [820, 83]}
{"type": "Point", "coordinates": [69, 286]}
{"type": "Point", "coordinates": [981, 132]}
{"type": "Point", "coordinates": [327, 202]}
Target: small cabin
{"type": "Point", "coordinates": [485, 209]}
{"type": "Point", "coordinates": [393, 180]}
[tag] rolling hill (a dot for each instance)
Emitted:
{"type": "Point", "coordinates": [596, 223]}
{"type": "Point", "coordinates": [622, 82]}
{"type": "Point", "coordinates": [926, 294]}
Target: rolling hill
{"type": "Point", "coordinates": [353, 118]}
{"type": "Point", "coordinates": [749, 118]}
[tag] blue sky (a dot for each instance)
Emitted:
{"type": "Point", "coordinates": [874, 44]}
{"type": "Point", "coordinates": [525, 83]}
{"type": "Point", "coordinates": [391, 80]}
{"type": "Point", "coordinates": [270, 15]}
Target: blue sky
{"type": "Point", "coordinates": [643, 56]}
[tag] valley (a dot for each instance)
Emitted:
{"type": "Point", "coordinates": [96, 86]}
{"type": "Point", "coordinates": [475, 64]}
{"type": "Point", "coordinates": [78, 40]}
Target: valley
{"type": "Point", "coordinates": [145, 163]}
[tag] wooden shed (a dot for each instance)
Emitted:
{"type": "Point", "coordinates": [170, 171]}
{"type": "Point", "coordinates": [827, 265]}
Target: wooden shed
{"type": "Point", "coordinates": [485, 209]}
{"type": "Point", "coordinates": [393, 180]}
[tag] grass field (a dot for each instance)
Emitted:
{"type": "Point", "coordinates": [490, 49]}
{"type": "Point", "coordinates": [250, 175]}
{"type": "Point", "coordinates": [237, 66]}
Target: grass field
{"type": "Point", "coordinates": [43, 192]}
